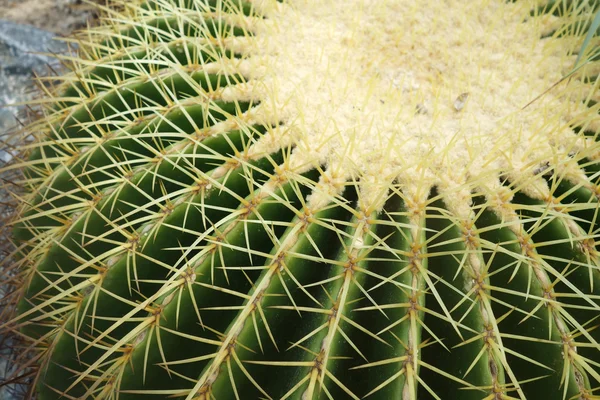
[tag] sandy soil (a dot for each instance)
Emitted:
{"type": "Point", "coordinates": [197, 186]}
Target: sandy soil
{"type": "Point", "coordinates": [58, 16]}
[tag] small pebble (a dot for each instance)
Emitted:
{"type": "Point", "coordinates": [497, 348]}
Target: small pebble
{"type": "Point", "coordinates": [460, 101]}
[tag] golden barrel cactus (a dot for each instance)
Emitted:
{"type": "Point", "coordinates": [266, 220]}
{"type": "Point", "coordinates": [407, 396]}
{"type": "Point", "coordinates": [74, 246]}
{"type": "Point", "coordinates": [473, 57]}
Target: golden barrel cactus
{"type": "Point", "coordinates": [388, 199]}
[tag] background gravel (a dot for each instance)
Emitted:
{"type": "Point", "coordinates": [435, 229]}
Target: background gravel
{"type": "Point", "coordinates": [57, 16]}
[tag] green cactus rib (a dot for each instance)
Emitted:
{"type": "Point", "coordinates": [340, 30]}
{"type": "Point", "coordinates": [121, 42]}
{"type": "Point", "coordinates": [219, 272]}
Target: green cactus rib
{"type": "Point", "coordinates": [97, 168]}
{"type": "Point", "coordinates": [174, 244]}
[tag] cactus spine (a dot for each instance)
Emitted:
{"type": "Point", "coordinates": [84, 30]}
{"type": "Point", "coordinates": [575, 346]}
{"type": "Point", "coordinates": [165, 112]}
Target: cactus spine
{"type": "Point", "coordinates": [299, 199]}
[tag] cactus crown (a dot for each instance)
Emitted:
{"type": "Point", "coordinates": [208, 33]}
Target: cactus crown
{"type": "Point", "coordinates": [300, 199]}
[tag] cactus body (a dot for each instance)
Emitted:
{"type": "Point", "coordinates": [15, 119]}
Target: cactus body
{"type": "Point", "coordinates": [317, 200]}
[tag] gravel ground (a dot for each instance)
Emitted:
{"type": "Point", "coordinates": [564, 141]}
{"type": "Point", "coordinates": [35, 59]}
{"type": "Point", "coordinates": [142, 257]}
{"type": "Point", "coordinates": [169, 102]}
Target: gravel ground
{"type": "Point", "coordinates": [27, 27]}
{"type": "Point", "coordinates": [57, 16]}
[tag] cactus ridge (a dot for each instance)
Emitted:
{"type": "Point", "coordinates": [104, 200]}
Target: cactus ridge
{"type": "Point", "coordinates": [199, 224]}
